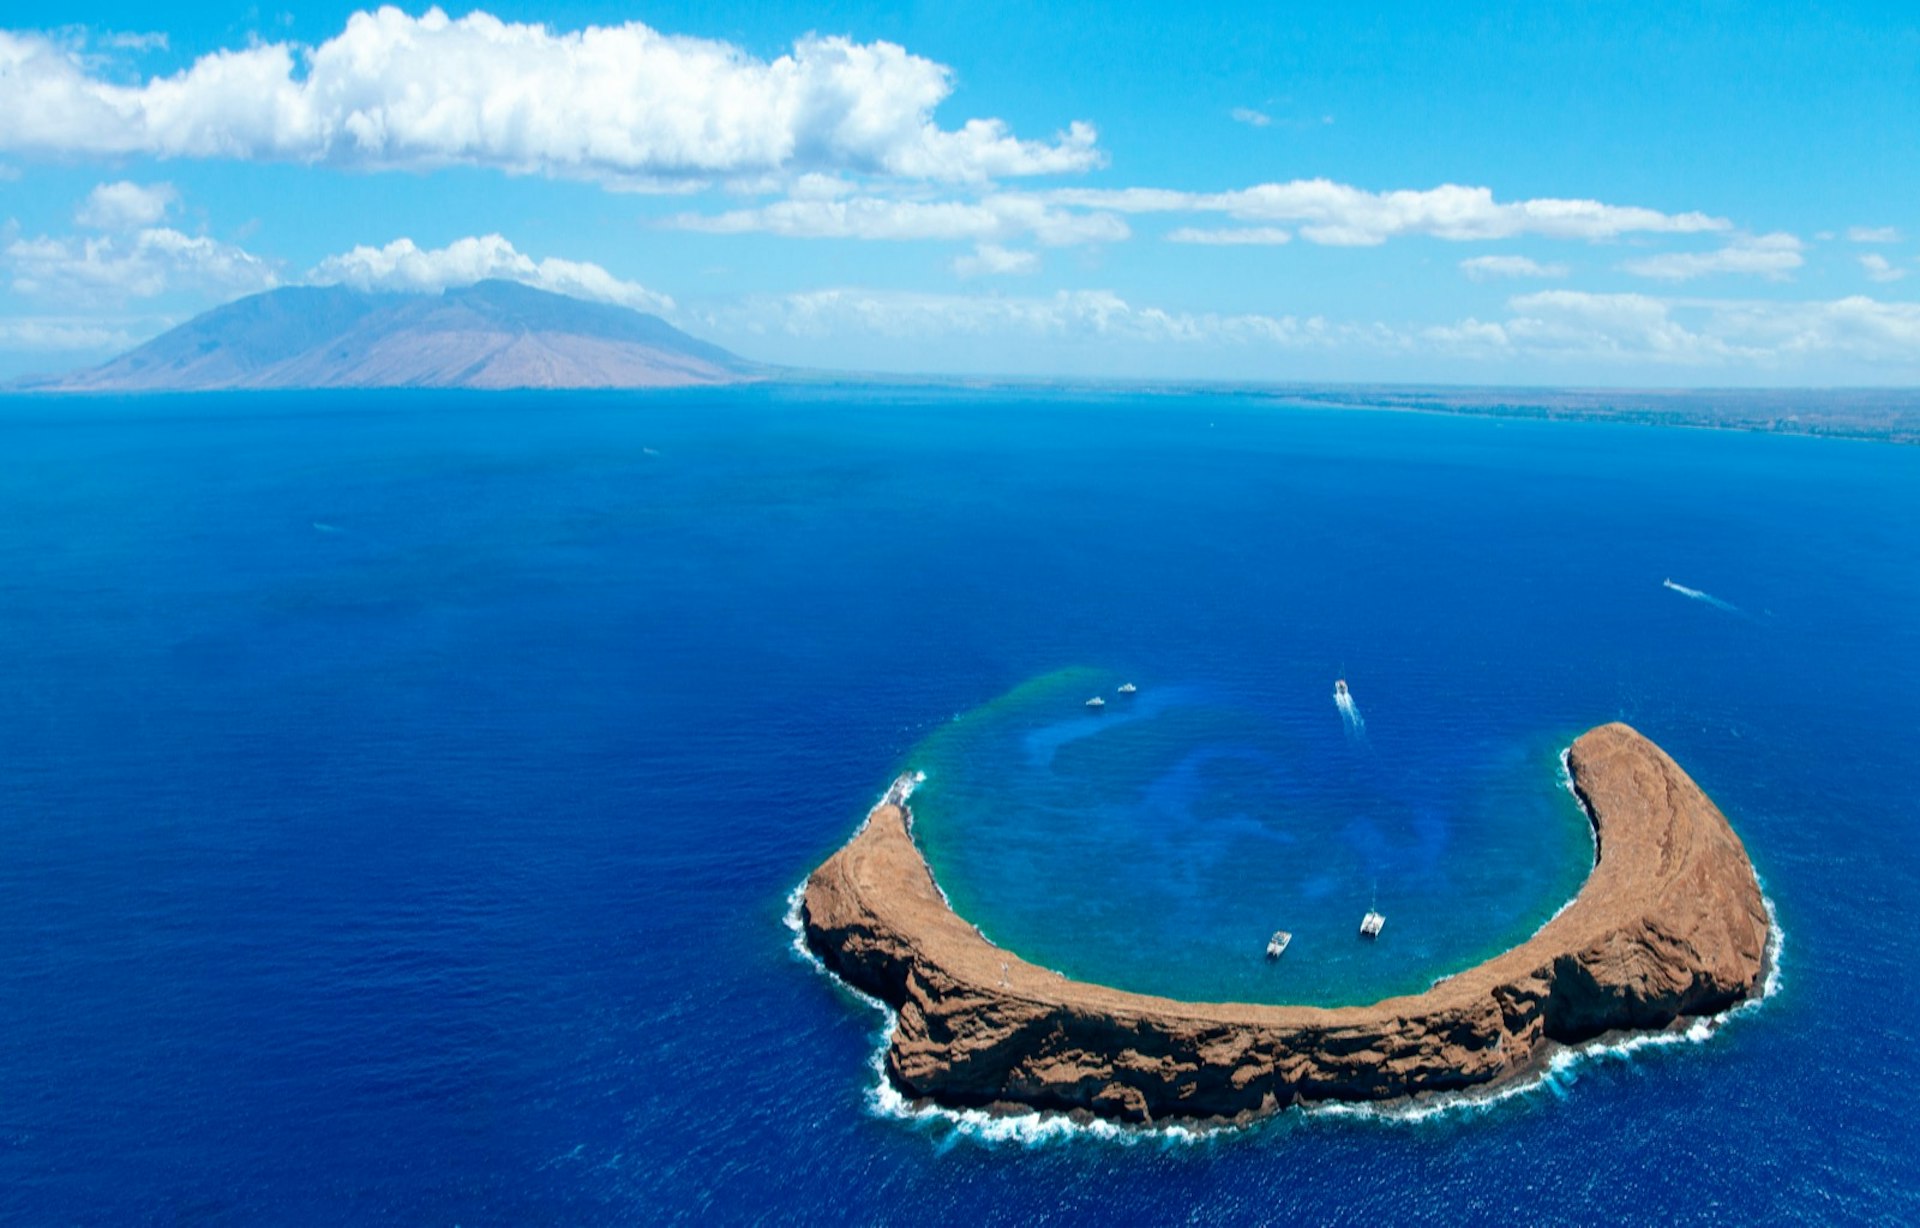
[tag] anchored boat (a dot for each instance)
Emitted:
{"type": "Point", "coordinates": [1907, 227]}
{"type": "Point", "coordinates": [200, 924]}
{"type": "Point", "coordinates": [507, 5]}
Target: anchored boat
{"type": "Point", "coordinates": [1370, 924]}
{"type": "Point", "coordinates": [1277, 945]}
{"type": "Point", "coordinates": [1096, 703]}
{"type": "Point", "coordinates": [1127, 688]}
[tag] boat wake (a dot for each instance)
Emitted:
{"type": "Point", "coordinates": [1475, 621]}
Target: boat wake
{"type": "Point", "coordinates": [1707, 598]}
{"type": "Point", "coordinates": [1350, 713]}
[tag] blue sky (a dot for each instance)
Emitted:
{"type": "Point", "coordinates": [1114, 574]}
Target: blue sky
{"type": "Point", "coordinates": [1673, 194]}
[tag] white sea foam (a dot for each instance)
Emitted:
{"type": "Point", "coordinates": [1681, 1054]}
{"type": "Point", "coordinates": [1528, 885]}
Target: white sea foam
{"type": "Point", "coordinates": [1031, 1128]}
{"type": "Point", "coordinates": [1708, 598]}
{"type": "Point", "coordinates": [798, 925]}
{"type": "Point", "coordinates": [1037, 1127]}
{"type": "Point", "coordinates": [1593, 834]}
{"type": "Point", "coordinates": [1350, 713]}
{"type": "Point", "coordinates": [1562, 1069]}
{"type": "Point", "coordinates": [898, 792]}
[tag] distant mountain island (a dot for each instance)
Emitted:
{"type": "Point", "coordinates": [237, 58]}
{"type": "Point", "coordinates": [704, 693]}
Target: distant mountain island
{"type": "Point", "coordinates": [501, 334]}
{"type": "Point", "coordinates": [493, 334]}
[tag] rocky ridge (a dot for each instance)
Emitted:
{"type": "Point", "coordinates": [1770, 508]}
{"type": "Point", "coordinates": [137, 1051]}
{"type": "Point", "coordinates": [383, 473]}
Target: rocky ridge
{"type": "Point", "coordinates": [491, 335]}
{"type": "Point", "coordinates": [1669, 925]}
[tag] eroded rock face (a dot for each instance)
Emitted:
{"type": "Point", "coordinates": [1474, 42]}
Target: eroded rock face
{"type": "Point", "coordinates": [1669, 924]}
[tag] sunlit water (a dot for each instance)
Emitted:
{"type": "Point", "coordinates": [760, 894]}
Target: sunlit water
{"type": "Point", "coordinates": [1155, 843]}
{"type": "Point", "coordinates": [400, 795]}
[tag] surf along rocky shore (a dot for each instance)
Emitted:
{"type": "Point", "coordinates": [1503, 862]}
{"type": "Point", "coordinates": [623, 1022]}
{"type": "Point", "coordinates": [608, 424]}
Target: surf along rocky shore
{"type": "Point", "coordinates": [1670, 925]}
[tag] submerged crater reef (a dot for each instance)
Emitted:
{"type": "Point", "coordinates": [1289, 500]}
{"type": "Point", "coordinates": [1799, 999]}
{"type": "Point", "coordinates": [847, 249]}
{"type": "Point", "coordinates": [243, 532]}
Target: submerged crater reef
{"type": "Point", "coordinates": [1670, 924]}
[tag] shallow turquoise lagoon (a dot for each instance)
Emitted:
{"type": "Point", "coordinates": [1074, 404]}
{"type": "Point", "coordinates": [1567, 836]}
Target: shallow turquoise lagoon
{"type": "Point", "coordinates": [400, 794]}
{"type": "Point", "coordinates": [1156, 842]}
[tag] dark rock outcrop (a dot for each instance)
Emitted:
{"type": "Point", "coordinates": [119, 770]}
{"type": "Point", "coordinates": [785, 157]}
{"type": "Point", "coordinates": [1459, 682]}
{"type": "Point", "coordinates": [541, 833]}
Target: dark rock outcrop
{"type": "Point", "coordinates": [1670, 924]}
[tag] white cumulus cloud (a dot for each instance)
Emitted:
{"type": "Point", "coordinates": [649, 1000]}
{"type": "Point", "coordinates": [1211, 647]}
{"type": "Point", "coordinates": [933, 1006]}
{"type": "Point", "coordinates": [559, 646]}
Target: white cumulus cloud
{"type": "Point", "coordinates": [1773, 256]}
{"type": "Point", "coordinates": [605, 102]}
{"type": "Point", "coordinates": [403, 265]}
{"type": "Point", "coordinates": [1481, 268]}
{"type": "Point", "coordinates": [110, 269]}
{"type": "Point", "coordinates": [1637, 326]}
{"type": "Point", "coordinates": [127, 206]}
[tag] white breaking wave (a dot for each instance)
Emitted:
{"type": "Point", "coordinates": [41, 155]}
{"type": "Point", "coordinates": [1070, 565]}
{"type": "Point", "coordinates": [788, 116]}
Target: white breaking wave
{"type": "Point", "coordinates": [898, 792]}
{"type": "Point", "coordinates": [795, 922]}
{"type": "Point", "coordinates": [1037, 1127]}
{"type": "Point", "coordinates": [1593, 835]}
{"type": "Point", "coordinates": [1562, 1069]}
{"type": "Point", "coordinates": [1697, 595]}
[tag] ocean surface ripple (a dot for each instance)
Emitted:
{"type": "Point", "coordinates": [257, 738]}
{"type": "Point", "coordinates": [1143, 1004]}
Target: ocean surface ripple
{"type": "Point", "coordinates": [403, 791]}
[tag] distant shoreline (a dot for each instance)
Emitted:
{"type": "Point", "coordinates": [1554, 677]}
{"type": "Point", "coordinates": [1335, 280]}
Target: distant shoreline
{"type": "Point", "coordinates": [1874, 415]}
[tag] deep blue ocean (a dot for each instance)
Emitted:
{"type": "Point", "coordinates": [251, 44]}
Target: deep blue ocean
{"type": "Point", "coordinates": [400, 794]}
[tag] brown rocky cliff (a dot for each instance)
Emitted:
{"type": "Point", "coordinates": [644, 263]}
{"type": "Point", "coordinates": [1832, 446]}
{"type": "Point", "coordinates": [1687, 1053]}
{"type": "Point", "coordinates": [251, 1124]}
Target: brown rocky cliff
{"type": "Point", "coordinates": [1669, 924]}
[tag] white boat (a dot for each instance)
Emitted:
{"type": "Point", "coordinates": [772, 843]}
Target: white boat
{"type": "Point", "coordinates": [1277, 945]}
{"type": "Point", "coordinates": [1096, 702]}
{"type": "Point", "coordinates": [1370, 924]}
{"type": "Point", "coordinates": [1339, 688]}
{"type": "Point", "coordinates": [1127, 688]}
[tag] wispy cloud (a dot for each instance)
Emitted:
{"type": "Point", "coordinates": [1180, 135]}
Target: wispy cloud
{"type": "Point", "coordinates": [1325, 213]}
{"type": "Point", "coordinates": [1231, 236]}
{"type": "Point", "coordinates": [1873, 234]}
{"type": "Point", "coordinates": [149, 40]}
{"type": "Point", "coordinates": [1340, 214]}
{"type": "Point", "coordinates": [1879, 268]}
{"type": "Point", "coordinates": [109, 270]}
{"type": "Point", "coordinates": [1772, 256]}
{"type": "Point", "coordinates": [1483, 268]}
{"type": "Point", "coordinates": [605, 102]}
{"type": "Point", "coordinates": [59, 335]}
{"type": "Point", "coordinates": [1548, 328]}
{"type": "Point", "coordinates": [1638, 330]}
{"type": "Point", "coordinates": [995, 218]}
{"type": "Point", "coordinates": [1068, 315]}
{"type": "Point", "coordinates": [1250, 117]}
{"type": "Point", "coordinates": [991, 259]}
{"type": "Point", "coordinates": [127, 206]}
{"type": "Point", "coordinates": [405, 266]}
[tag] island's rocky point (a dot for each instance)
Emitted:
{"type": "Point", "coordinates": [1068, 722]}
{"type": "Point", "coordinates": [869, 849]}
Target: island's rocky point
{"type": "Point", "coordinates": [1669, 925]}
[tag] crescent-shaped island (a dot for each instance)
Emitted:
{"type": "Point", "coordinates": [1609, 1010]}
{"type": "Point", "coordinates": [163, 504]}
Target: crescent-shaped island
{"type": "Point", "coordinates": [1669, 925]}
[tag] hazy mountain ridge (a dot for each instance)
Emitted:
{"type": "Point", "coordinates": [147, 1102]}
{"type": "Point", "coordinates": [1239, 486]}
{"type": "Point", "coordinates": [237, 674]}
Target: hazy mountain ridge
{"type": "Point", "coordinates": [493, 334]}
